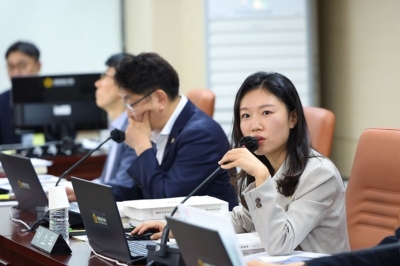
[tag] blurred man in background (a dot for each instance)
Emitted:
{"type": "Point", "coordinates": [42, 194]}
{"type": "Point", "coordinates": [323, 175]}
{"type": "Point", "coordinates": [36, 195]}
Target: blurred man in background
{"type": "Point", "coordinates": [120, 156]}
{"type": "Point", "coordinates": [22, 60]}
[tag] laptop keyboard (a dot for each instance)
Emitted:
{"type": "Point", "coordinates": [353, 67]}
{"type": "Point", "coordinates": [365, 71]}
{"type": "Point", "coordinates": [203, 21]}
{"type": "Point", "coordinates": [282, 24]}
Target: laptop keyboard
{"type": "Point", "coordinates": [137, 249]}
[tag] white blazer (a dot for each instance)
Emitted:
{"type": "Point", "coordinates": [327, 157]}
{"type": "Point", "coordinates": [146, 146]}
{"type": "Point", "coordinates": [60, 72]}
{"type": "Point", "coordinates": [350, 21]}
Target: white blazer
{"type": "Point", "coordinates": [313, 219]}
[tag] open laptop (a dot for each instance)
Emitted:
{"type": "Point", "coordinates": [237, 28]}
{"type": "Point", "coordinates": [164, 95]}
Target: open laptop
{"type": "Point", "coordinates": [103, 224]}
{"type": "Point", "coordinates": [27, 188]}
{"type": "Point", "coordinates": [24, 182]}
{"type": "Point", "coordinates": [199, 245]}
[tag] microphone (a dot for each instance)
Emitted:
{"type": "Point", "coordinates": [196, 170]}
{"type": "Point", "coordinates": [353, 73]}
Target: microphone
{"type": "Point", "coordinates": [116, 135]}
{"type": "Point", "coordinates": [164, 254]}
{"type": "Point", "coordinates": [251, 143]}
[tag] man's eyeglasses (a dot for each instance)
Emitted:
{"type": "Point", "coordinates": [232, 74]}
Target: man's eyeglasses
{"type": "Point", "coordinates": [132, 105]}
{"type": "Point", "coordinates": [20, 66]}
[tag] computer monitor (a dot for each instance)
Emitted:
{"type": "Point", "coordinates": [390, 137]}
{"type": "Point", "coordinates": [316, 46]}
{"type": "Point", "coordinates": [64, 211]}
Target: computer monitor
{"type": "Point", "coordinates": [58, 105]}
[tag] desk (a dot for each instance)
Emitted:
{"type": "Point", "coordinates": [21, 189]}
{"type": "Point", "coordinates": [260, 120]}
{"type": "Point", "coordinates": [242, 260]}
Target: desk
{"type": "Point", "coordinates": [89, 169]}
{"type": "Point", "coordinates": [15, 247]}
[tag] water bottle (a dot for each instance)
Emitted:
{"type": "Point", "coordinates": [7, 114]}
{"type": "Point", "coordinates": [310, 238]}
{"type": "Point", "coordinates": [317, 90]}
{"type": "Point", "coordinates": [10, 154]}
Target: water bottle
{"type": "Point", "coordinates": [59, 222]}
{"type": "Point", "coordinates": [58, 207]}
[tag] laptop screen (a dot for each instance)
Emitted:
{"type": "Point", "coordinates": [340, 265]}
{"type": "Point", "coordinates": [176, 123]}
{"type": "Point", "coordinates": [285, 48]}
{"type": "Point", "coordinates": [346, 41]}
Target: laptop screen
{"type": "Point", "coordinates": [101, 219]}
{"type": "Point", "coordinates": [199, 245]}
{"type": "Point", "coordinates": [24, 182]}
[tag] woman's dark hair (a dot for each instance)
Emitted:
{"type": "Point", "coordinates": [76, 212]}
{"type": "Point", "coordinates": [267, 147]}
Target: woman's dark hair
{"type": "Point", "coordinates": [298, 144]}
{"type": "Point", "coordinates": [145, 72]}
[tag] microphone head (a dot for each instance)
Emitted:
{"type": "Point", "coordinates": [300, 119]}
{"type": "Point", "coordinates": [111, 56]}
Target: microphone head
{"type": "Point", "coordinates": [251, 143]}
{"type": "Point", "coordinates": [117, 135]}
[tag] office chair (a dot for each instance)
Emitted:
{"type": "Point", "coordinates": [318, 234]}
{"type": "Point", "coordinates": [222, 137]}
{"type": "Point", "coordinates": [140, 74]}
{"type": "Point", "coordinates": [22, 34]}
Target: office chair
{"type": "Point", "coordinates": [203, 99]}
{"type": "Point", "coordinates": [321, 126]}
{"type": "Point", "coordinates": [373, 191]}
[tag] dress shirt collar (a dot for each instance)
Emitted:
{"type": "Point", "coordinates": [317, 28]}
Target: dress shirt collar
{"type": "Point", "coordinates": [119, 121]}
{"type": "Point", "coordinates": [171, 121]}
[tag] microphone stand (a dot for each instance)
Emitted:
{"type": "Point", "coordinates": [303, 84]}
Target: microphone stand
{"type": "Point", "coordinates": [162, 254]}
{"type": "Point", "coordinates": [168, 255]}
{"type": "Point", "coordinates": [116, 135]}
{"type": "Point", "coordinates": [81, 160]}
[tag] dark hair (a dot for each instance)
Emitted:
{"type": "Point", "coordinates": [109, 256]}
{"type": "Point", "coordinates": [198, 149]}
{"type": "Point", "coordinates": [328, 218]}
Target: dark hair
{"type": "Point", "coordinates": [115, 59]}
{"type": "Point", "coordinates": [145, 72]}
{"type": "Point", "coordinates": [298, 144]}
{"type": "Point", "coordinates": [26, 48]}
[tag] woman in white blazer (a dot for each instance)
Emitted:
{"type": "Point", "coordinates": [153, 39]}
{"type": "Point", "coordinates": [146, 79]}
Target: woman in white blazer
{"type": "Point", "coordinates": [289, 193]}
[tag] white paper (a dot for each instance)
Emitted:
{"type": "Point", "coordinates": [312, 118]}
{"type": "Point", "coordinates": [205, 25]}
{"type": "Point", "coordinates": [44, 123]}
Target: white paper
{"type": "Point", "coordinates": [274, 259]}
{"type": "Point", "coordinates": [39, 162]}
{"type": "Point", "coordinates": [62, 110]}
{"type": "Point", "coordinates": [46, 181]}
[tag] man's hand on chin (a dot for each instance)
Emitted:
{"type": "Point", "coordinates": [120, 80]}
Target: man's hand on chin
{"type": "Point", "coordinates": [138, 133]}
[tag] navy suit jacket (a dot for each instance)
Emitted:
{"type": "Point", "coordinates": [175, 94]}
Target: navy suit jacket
{"type": "Point", "coordinates": [122, 184]}
{"type": "Point", "coordinates": [7, 135]}
{"type": "Point", "coordinates": [366, 257]}
{"type": "Point", "coordinates": [195, 145]}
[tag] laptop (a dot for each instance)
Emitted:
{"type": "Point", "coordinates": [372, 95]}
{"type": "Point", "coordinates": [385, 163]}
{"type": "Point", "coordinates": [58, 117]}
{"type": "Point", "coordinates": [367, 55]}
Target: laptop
{"type": "Point", "coordinates": [199, 245]}
{"type": "Point", "coordinates": [24, 182]}
{"type": "Point", "coordinates": [27, 188]}
{"type": "Point", "coordinates": [103, 224]}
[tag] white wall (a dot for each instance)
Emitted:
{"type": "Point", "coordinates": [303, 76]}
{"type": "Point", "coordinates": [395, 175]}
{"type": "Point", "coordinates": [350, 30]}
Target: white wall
{"type": "Point", "coordinates": [175, 30]}
{"type": "Point", "coordinates": [73, 36]}
{"type": "Point", "coordinates": [360, 56]}
{"type": "Point", "coordinates": [244, 37]}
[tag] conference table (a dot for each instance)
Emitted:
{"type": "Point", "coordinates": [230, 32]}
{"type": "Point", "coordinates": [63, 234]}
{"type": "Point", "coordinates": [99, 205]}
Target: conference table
{"type": "Point", "coordinates": [15, 244]}
{"type": "Point", "coordinates": [16, 249]}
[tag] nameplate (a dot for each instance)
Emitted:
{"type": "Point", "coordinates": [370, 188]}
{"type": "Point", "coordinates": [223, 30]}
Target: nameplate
{"type": "Point", "coordinates": [50, 242]}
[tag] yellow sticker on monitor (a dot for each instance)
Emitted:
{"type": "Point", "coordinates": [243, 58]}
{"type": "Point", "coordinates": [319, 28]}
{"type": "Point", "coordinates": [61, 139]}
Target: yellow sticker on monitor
{"type": "Point", "coordinates": [38, 139]}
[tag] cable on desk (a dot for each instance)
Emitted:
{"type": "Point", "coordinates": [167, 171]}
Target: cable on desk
{"type": "Point", "coordinates": [135, 260]}
{"type": "Point", "coordinates": [104, 257]}
{"type": "Point", "coordinates": [36, 223]}
{"type": "Point", "coordinates": [94, 256]}
{"type": "Point", "coordinates": [17, 220]}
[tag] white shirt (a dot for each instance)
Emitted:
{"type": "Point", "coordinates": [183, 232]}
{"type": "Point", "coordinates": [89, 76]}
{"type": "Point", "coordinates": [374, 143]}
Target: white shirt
{"type": "Point", "coordinates": [161, 138]}
{"type": "Point", "coordinates": [117, 123]}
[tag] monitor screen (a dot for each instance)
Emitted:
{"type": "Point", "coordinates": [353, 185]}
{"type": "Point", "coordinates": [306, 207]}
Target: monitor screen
{"type": "Point", "coordinates": [58, 105]}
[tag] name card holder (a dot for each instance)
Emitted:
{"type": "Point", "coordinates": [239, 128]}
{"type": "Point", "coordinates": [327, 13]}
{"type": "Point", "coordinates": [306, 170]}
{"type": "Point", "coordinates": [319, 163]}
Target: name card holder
{"type": "Point", "coordinates": [50, 242]}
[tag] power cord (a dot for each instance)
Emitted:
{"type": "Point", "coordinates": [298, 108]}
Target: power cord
{"type": "Point", "coordinates": [135, 260]}
{"type": "Point", "coordinates": [103, 257]}
{"type": "Point", "coordinates": [36, 223]}
{"type": "Point", "coordinates": [18, 220]}
{"type": "Point", "coordinates": [151, 263]}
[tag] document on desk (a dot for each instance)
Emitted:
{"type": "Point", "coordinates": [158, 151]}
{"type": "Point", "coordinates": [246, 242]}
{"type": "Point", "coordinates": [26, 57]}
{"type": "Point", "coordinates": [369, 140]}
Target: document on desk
{"type": "Point", "coordinates": [39, 162]}
{"type": "Point", "coordinates": [40, 166]}
{"type": "Point", "coordinates": [46, 181]}
{"type": "Point", "coordinates": [7, 203]}
{"type": "Point", "coordinates": [295, 256]}
{"type": "Point", "coordinates": [223, 225]}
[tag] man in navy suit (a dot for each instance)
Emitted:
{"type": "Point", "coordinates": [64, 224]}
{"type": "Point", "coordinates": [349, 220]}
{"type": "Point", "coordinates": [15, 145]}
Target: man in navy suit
{"type": "Point", "coordinates": [177, 145]}
{"type": "Point", "coordinates": [120, 156]}
{"type": "Point", "coordinates": [22, 60]}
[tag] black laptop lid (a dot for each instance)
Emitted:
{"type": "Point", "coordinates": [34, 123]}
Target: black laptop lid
{"type": "Point", "coordinates": [24, 182]}
{"type": "Point", "coordinates": [101, 219]}
{"type": "Point", "coordinates": [199, 245]}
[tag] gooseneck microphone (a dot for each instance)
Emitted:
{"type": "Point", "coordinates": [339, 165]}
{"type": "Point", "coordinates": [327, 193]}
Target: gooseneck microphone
{"type": "Point", "coordinates": [116, 135]}
{"type": "Point", "coordinates": [251, 143]}
{"type": "Point", "coordinates": [161, 249]}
